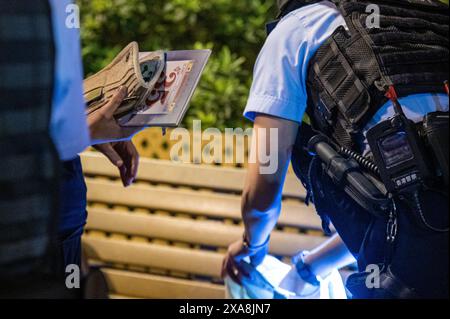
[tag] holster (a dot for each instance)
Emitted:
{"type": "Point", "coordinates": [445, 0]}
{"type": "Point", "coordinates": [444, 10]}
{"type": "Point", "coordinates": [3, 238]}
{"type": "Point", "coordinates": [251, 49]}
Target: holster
{"type": "Point", "coordinates": [390, 287]}
{"type": "Point", "coordinates": [436, 130]}
{"type": "Point", "coordinates": [124, 70]}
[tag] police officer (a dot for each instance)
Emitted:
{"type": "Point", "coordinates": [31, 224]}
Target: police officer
{"type": "Point", "coordinates": [347, 97]}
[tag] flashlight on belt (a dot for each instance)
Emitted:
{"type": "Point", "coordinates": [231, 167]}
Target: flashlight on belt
{"type": "Point", "coordinates": [347, 174]}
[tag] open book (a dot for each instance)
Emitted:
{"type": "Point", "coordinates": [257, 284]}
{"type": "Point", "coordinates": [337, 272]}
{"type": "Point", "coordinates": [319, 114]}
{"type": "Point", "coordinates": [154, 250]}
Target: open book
{"type": "Point", "coordinates": [160, 85]}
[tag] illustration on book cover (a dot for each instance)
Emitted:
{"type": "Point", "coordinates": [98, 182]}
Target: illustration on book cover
{"type": "Point", "coordinates": [163, 98]}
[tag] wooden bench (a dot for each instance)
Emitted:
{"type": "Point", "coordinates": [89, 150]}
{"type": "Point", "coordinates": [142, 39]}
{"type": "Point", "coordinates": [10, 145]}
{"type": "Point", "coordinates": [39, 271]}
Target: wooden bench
{"type": "Point", "coordinates": [165, 236]}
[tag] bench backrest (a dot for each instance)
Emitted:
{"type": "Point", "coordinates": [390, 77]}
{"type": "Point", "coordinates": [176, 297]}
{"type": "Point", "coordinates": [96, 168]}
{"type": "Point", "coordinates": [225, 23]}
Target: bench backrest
{"type": "Point", "coordinates": [165, 236]}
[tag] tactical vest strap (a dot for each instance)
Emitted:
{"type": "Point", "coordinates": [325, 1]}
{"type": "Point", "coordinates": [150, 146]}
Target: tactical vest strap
{"type": "Point", "coordinates": [350, 73]}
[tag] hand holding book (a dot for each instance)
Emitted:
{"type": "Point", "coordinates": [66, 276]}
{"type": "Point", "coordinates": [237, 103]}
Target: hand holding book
{"type": "Point", "coordinates": [160, 86]}
{"type": "Point", "coordinates": [103, 126]}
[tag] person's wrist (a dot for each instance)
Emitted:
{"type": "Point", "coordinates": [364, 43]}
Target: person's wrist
{"type": "Point", "coordinates": [256, 253]}
{"type": "Point", "coordinates": [305, 270]}
{"type": "Point", "coordinates": [254, 248]}
{"type": "Point", "coordinates": [93, 130]}
{"type": "Point", "coordinates": [318, 267]}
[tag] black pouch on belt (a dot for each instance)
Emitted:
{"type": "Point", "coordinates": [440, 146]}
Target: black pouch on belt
{"type": "Point", "coordinates": [435, 129]}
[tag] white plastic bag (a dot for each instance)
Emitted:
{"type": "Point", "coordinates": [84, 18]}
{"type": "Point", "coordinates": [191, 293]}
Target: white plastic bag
{"type": "Point", "coordinates": [271, 273]}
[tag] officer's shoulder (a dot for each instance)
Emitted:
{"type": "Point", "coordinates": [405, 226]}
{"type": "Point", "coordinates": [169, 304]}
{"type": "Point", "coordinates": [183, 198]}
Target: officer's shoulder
{"type": "Point", "coordinates": [289, 29]}
{"type": "Point", "coordinates": [297, 24]}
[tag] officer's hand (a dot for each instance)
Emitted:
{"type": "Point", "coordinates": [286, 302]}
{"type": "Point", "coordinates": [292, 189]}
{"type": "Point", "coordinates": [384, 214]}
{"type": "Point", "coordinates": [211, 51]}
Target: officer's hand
{"type": "Point", "coordinates": [235, 255]}
{"type": "Point", "coordinates": [124, 156]}
{"type": "Point", "coordinates": [103, 126]}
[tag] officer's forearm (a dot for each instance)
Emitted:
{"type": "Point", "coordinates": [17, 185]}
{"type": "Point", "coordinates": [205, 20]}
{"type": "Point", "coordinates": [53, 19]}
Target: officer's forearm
{"type": "Point", "coordinates": [332, 254]}
{"type": "Point", "coordinates": [259, 218]}
{"type": "Point", "coordinates": [261, 200]}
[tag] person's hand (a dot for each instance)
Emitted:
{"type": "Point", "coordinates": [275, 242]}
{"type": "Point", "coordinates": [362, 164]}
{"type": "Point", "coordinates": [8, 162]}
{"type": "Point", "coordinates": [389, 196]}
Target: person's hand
{"type": "Point", "coordinates": [294, 283]}
{"type": "Point", "coordinates": [235, 255]}
{"type": "Point", "coordinates": [124, 156]}
{"type": "Point", "coordinates": [103, 126]}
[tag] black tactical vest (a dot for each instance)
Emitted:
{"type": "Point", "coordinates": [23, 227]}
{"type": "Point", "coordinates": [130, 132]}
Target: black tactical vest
{"type": "Point", "coordinates": [350, 74]}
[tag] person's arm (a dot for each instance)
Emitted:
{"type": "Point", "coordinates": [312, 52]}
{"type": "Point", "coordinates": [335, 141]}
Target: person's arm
{"type": "Point", "coordinates": [332, 254]}
{"type": "Point", "coordinates": [261, 204]}
{"type": "Point", "coordinates": [113, 140]}
{"type": "Point", "coordinates": [261, 200]}
{"type": "Point", "coordinates": [322, 260]}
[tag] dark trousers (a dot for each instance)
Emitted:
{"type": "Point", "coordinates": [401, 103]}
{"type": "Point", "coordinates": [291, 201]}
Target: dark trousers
{"type": "Point", "coordinates": [73, 213]}
{"type": "Point", "coordinates": [420, 256]}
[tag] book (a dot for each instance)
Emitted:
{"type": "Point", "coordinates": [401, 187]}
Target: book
{"type": "Point", "coordinates": [168, 100]}
{"type": "Point", "coordinates": [160, 85]}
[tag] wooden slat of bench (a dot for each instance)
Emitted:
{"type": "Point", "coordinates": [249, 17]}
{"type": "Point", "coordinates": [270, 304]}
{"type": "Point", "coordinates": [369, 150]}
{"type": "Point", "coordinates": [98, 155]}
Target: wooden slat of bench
{"type": "Point", "coordinates": [192, 202]}
{"type": "Point", "coordinates": [204, 176]}
{"type": "Point", "coordinates": [208, 233]}
{"type": "Point", "coordinates": [157, 287]}
{"type": "Point", "coordinates": [127, 252]}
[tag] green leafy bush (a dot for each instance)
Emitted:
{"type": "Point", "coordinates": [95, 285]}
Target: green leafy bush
{"type": "Point", "coordinates": [233, 29]}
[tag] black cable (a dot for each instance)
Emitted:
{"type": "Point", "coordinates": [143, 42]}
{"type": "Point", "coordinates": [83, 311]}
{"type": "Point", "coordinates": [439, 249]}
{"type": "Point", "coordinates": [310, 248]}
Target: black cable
{"type": "Point", "coordinates": [422, 215]}
{"type": "Point", "coordinates": [363, 161]}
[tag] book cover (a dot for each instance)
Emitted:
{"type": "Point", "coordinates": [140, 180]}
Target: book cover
{"type": "Point", "coordinates": [169, 99]}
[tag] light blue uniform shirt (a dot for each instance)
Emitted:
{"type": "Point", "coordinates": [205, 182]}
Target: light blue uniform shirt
{"type": "Point", "coordinates": [68, 125]}
{"type": "Point", "coordinates": [279, 85]}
